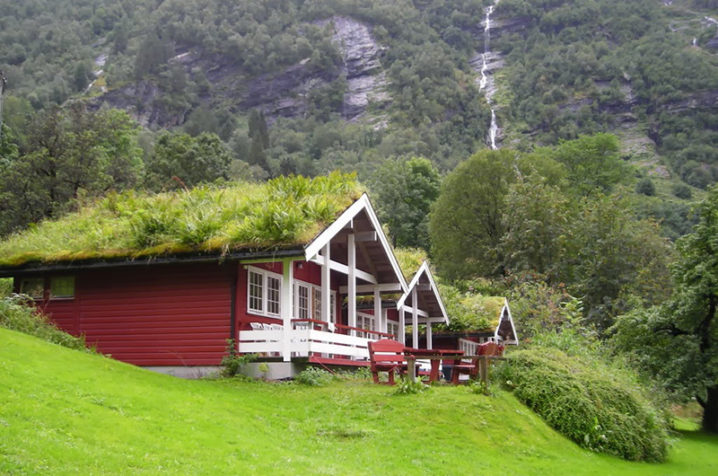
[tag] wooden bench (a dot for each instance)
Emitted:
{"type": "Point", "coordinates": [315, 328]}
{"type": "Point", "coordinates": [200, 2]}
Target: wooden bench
{"type": "Point", "coordinates": [471, 367]}
{"type": "Point", "coordinates": [387, 355]}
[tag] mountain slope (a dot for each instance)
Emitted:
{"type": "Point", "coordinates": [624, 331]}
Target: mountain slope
{"type": "Point", "coordinates": [66, 412]}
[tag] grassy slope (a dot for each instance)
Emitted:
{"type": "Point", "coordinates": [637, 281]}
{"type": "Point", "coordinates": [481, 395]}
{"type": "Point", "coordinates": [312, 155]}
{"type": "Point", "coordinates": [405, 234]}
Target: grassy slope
{"type": "Point", "coordinates": [62, 411]}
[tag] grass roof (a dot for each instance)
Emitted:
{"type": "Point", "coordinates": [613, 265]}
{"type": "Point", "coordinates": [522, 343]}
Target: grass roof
{"type": "Point", "coordinates": [281, 213]}
{"type": "Point", "coordinates": [410, 260]}
{"type": "Point", "coordinates": [472, 312]}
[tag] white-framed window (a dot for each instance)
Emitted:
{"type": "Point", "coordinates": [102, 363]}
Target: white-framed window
{"type": "Point", "coordinates": [33, 287]}
{"type": "Point", "coordinates": [302, 298]}
{"type": "Point", "coordinates": [263, 292]}
{"type": "Point", "coordinates": [317, 303]}
{"type": "Point", "coordinates": [392, 328]}
{"type": "Point", "coordinates": [365, 321]}
{"type": "Point", "coordinates": [62, 287]}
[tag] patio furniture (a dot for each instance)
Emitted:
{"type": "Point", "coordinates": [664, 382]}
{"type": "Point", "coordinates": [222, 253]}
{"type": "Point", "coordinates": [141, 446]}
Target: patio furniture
{"type": "Point", "coordinates": [387, 355]}
{"type": "Point", "coordinates": [474, 365]}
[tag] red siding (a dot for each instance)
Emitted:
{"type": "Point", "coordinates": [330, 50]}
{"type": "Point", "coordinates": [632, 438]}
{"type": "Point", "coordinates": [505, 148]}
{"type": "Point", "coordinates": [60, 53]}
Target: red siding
{"type": "Point", "coordinates": [153, 316]}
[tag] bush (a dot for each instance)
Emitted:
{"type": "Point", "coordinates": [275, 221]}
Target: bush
{"type": "Point", "coordinates": [599, 407]}
{"type": "Point", "coordinates": [407, 387]}
{"type": "Point", "coordinates": [646, 187]}
{"type": "Point", "coordinates": [18, 313]}
{"type": "Point", "coordinates": [314, 377]}
{"type": "Point", "coordinates": [682, 190]}
{"type": "Point", "coordinates": [232, 362]}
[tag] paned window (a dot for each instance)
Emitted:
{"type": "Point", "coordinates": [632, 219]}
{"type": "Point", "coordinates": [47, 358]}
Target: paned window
{"type": "Point", "coordinates": [62, 287]}
{"type": "Point", "coordinates": [263, 292]}
{"type": "Point", "coordinates": [301, 310]}
{"type": "Point", "coordinates": [392, 328]}
{"type": "Point", "coordinates": [273, 287]}
{"type": "Point", "coordinates": [33, 287]}
{"type": "Point", "coordinates": [317, 303]}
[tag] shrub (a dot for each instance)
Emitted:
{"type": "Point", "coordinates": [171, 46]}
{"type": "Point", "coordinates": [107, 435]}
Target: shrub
{"type": "Point", "coordinates": [232, 362]}
{"type": "Point", "coordinates": [17, 312]}
{"type": "Point", "coordinates": [407, 387]}
{"type": "Point", "coordinates": [646, 187]}
{"type": "Point", "coordinates": [314, 377]}
{"type": "Point", "coordinates": [596, 405]}
{"type": "Point", "coordinates": [682, 190]}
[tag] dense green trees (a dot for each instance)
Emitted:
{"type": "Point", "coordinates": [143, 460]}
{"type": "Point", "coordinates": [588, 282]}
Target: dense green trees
{"type": "Point", "coordinates": [69, 153]}
{"type": "Point", "coordinates": [678, 342]}
{"type": "Point", "coordinates": [404, 191]}
{"type": "Point", "coordinates": [501, 213]}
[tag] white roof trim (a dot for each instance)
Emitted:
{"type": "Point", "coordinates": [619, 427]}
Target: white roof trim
{"type": "Point", "coordinates": [511, 320]}
{"type": "Point", "coordinates": [363, 203]}
{"type": "Point", "coordinates": [424, 268]}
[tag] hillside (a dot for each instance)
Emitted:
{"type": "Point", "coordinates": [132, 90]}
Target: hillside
{"type": "Point", "coordinates": [67, 412]}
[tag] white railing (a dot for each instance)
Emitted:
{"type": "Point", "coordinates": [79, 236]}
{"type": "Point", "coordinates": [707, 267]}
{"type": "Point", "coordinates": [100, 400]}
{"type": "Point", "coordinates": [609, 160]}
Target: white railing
{"type": "Point", "coordinates": [302, 342]}
{"type": "Point", "coordinates": [469, 347]}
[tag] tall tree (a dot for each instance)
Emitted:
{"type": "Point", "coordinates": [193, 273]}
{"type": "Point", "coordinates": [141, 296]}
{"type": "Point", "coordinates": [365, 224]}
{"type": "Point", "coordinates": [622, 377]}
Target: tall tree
{"type": "Point", "coordinates": [192, 160]}
{"type": "Point", "coordinates": [405, 190]}
{"type": "Point", "coordinates": [678, 342]}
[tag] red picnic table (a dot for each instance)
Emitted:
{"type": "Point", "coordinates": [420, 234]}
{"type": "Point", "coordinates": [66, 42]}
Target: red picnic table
{"type": "Point", "coordinates": [435, 356]}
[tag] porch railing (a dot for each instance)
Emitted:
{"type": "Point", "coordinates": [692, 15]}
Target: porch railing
{"type": "Point", "coordinates": [309, 336]}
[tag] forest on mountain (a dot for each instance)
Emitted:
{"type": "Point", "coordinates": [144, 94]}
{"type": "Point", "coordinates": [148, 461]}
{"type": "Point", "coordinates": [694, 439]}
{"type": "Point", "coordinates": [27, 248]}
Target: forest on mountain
{"type": "Point", "coordinates": [608, 112]}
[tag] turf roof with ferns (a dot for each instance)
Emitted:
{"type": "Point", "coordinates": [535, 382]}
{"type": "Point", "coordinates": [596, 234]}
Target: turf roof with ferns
{"type": "Point", "coordinates": [284, 213]}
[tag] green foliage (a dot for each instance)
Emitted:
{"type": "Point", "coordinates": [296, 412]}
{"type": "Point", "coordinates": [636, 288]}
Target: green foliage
{"type": "Point", "coordinates": [314, 377]}
{"type": "Point", "coordinates": [18, 313]}
{"type": "Point", "coordinates": [233, 362]}
{"type": "Point", "coordinates": [470, 311]}
{"type": "Point", "coordinates": [405, 190]}
{"type": "Point", "coordinates": [645, 186]}
{"type": "Point", "coordinates": [598, 406]}
{"type": "Point", "coordinates": [677, 342]}
{"type": "Point", "coordinates": [180, 160]}
{"type": "Point", "coordinates": [283, 212]}
{"type": "Point", "coordinates": [69, 154]}
{"type": "Point", "coordinates": [505, 214]}
{"type": "Point", "coordinates": [406, 387]}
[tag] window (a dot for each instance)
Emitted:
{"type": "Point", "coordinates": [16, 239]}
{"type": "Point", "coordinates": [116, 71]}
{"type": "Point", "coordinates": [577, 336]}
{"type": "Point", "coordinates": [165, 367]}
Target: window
{"type": "Point", "coordinates": [317, 303]}
{"type": "Point", "coordinates": [392, 328]}
{"type": "Point", "coordinates": [365, 321]}
{"type": "Point", "coordinates": [301, 301]}
{"type": "Point", "coordinates": [33, 287]}
{"type": "Point", "coordinates": [273, 289]}
{"type": "Point", "coordinates": [62, 287]}
{"type": "Point", "coordinates": [263, 292]}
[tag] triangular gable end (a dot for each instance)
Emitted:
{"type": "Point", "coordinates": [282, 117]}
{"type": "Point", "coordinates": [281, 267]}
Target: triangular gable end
{"type": "Point", "coordinates": [312, 250]}
{"type": "Point", "coordinates": [425, 270]}
{"type": "Point", "coordinates": [507, 310]}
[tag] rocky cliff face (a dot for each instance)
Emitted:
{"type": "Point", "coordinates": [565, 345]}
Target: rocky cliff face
{"type": "Point", "coordinates": [283, 93]}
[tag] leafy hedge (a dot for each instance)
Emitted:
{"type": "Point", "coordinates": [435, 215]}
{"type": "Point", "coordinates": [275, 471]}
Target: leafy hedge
{"type": "Point", "coordinates": [598, 407]}
{"type": "Point", "coordinates": [18, 314]}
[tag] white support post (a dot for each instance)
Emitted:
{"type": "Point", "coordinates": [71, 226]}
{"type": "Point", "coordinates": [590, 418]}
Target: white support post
{"type": "Point", "coordinates": [351, 283]}
{"type": "Point", "coordinates": [402, 326]}
{"type": "Point", "coordinates": [414, 320]}
{"type": "Point", "coordinates": [378, 318]}
{"type": "Point", "coordinates": [429, 337]}
{"type": "Point", "coordinates": [287, 308]}
{"type": "Point", "coordinates": [385, 320]}
{"type": "Point", "coordinates": [326, 286]}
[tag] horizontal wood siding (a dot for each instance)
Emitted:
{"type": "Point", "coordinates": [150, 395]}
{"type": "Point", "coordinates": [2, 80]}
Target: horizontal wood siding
{"type": "Point", "coordinates": [162, 315]}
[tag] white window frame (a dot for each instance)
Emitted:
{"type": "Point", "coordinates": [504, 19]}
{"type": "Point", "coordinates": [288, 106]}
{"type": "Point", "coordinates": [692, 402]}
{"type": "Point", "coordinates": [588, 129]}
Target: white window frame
{"type": "Point", "coordinates": [310, 295]}
{"type": "Point", "coordinates": [265, 292]}
{"type": "Point", "coordinates": [392, 325]}
{"type": "Point", "coordinates": [313, 290]}
{"type": "Point", "coordinates": [362, 319]}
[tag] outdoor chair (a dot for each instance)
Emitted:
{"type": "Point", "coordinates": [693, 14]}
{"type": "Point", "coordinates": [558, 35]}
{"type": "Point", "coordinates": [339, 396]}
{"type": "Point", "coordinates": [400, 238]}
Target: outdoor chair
{"type": "Point", "coordinates": [471, 366]}
{"type": "Point", "coordinates": [387, 355]}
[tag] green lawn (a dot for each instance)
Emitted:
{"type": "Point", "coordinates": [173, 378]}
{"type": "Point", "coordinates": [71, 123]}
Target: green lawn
{"type": "Point", "coordinates": [64, 412]}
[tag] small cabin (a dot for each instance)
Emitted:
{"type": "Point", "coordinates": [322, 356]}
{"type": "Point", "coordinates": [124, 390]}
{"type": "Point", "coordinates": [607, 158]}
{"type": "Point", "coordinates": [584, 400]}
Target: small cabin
{"type": "Point", "coordinates": [316, 294]}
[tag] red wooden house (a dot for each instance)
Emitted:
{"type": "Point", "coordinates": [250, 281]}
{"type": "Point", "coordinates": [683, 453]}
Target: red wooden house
{"type": "Point", "coordinates": [174, 312]}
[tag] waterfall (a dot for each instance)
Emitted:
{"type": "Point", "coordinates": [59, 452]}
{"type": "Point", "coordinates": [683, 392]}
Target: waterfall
{"type": "Point", "coordinates": [485, 82]}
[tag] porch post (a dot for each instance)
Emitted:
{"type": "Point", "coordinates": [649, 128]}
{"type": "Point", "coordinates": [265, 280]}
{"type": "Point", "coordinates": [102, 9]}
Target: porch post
{"type": "Point", "coordinates": [326, 286]}
{"type": "Point", "coordinates": [414, 320]}
{"type": "Point", "coordinates": [429, 336]}
{"type": "Point", "coordinates": [351, 283]}
{"type": "Point", "coordinates": [286, 308]}
{"type": "Point", "coordinates": [402, 326]}
{"type": "Point", "coordinates": [378, 317]}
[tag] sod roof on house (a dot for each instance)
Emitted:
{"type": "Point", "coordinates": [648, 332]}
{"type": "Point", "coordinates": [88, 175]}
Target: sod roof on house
{"type": "Point", "coordinates": [283, 213]}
